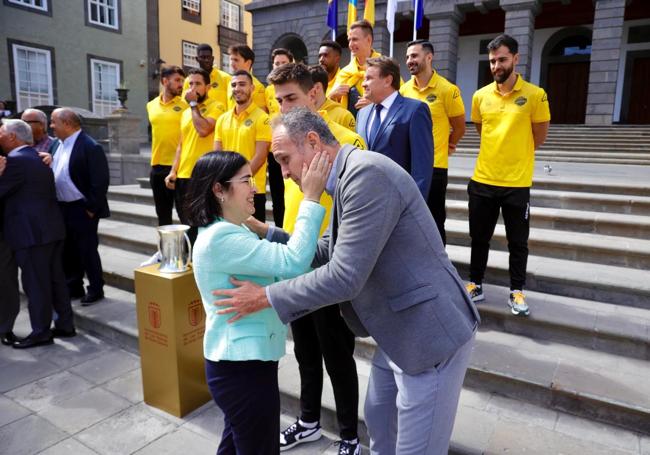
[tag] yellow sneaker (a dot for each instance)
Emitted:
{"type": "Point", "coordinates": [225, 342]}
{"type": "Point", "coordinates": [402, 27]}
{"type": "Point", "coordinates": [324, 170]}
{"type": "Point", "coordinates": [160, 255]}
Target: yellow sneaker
{"type": "Point", "coordinates": [517, 303]}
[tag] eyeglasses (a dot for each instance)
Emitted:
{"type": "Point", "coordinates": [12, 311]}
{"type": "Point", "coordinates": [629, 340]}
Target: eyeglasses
{"type": "Point", "coordinates": [248, 179]}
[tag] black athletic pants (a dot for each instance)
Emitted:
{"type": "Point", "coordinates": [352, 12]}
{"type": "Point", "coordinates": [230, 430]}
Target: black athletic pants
{"type": "Point", "coordinates": [180, 191]}
{"type": "Point", "coordinates": [436, 200]}
{"type": "Point", "coordinates": [276, 184]}
{"type": "Point", "coordinates": [163, 197]}
{"type": "Point", "coordinates": [485, 202]}
{"type": "Point", "coordinates": [260, 207]}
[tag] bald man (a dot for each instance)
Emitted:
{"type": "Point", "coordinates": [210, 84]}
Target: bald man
{"type": "Point", "coordinates": [81, 177]}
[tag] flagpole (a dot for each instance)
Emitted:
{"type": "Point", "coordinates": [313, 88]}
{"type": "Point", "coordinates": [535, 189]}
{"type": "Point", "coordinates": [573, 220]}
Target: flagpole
{"type": "Point", "coordinates": [391, 45]}
{"type": "Point", "coordinates": [415, 22]}
{"type": "Point", "coordinates": [333, 35]}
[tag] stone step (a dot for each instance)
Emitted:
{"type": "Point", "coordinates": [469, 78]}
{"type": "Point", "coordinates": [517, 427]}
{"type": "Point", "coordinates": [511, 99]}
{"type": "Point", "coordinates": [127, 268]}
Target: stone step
{"type": "Point", "coordinates": [574, 246]}
{"type": "Point", "coordinates": [119, 264]}
{"type": "Point", "coordinates": [135, 238]}
{"type": "Point", "coordinates": [573, 200]}
{"type": "Point", "coordinates": [554, 157]}
{"type": "Point", "coordinates": [611, 224]}
{"type": "Point", "coordinates": [130, 193]}
{"type": "Point", "coordinates": [630, 153]}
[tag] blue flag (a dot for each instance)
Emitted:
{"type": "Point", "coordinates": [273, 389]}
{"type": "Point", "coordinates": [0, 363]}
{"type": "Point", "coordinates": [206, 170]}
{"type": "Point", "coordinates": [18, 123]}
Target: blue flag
{"type": "Point", "coordinates": [332, 14]}
{"type": "Point", "coordinates": [418, 11]}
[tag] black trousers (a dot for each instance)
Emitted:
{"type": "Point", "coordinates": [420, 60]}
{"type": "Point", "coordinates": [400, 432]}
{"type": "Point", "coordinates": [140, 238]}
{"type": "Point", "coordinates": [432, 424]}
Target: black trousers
{"type": "Point", "coordinates": [323, 335]}
{"type": "Point", "coordinates": [45, 285]}
{"type": "Point", "coordinates": [163, 197]}
{"type": "Point", "coordinates": [260, 207]}
{"type": "Point", "coordinates": [9, 298]}
{"type": "Point", "coordinates": [276, 184]}
{"type": "Point", "coordinates": [180, 194]}
{"type": "Point", "coordinates": [436, 200]}
{"type": "Point", "coordinates": [80, 254]}
{"type": "Point", "coordinates": [485, 202]}
{"type": "Point", "coordinates": [247, 393]}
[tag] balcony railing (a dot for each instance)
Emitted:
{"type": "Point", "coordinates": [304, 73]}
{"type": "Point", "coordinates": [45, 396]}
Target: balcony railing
{"type": "Point", "coordinates": [230, 37]}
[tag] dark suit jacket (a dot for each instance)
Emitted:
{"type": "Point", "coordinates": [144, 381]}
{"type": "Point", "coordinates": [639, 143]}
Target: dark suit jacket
{"type": "Point", "coordinates": [89, 172]}
{"type": "Point", "coordinates": [32, 216]}
{"type": "Point", "coordinates": [405, 137]}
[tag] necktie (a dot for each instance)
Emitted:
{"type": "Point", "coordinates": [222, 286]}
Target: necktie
{"type": "Point", "coordinates": [374, 129]}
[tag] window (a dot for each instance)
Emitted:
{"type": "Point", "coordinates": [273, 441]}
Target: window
{"type": "Point", "coordinates": [105, 78]}
{"type": "Point", "coordinates": [189, 55]}
{"type": "Point", "coordinates": [229, 15]}
{"type": "Point", "coordinates": [33, 76]}
{"type": "Point", "coordinates": [103, 13]}
{"type": "Point", "coordinates": [225, 61]}
{"type": "Point", "coordinates": [35, 4]}
{"type": "Point", "coordinates": [192, 6]}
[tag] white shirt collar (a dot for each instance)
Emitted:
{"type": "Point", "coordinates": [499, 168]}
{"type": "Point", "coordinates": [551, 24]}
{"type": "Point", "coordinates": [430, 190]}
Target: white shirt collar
{"type": "Point", "coordinates": [389, 100]}
{"type": "Point", "coordinates": [70, 140]}
{"type": "Point", "coordinates": [17, 148]}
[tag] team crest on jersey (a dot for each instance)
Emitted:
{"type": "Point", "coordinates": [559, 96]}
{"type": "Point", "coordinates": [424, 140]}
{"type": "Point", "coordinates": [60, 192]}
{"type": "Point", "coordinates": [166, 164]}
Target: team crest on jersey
{"type": "Point", "coordinates": [431, 98]}
{"type": "Point", "coordinates": [177, 108]}
{"type": "Point", "coordinates": [215, 84]}
{"type": "Point", "coordinates": [248, 122]}
{"type": "Point", "coordinates": [521, 101]}
{"type": "Point", "coordinates": [544, 98]}
{"type": "Point", "coordinates": [267, 121]}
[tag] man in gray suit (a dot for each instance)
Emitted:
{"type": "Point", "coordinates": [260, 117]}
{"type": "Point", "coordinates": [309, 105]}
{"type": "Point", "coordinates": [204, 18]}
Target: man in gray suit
{"type": "Point", "coordinates": [383, 253]}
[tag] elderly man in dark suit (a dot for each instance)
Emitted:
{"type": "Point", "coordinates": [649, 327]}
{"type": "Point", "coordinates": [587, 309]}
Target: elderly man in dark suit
{"type": "Point", "coordinates": [10, 303]}
{"type": "Point", "coordinates": [382, 252]}
{"type": "Point", "coordinates": [81, 176]}
{"type": "Point", "coordinates": [33, 227]}
{"type": "Point", "coordinates": [395, 126]}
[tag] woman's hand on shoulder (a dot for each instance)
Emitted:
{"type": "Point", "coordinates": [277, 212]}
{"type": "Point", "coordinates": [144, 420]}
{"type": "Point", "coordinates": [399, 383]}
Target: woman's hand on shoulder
{"type": "Point", "coordinates": [255, 225]}
{"type": "Point", "coordinates": [315, 176]}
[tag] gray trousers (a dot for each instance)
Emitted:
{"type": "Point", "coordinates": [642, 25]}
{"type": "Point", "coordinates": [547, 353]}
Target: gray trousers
{"type": "Point", "coordinates": [9, 299]}
{"type": "Point", "coordinates": [414, 414]}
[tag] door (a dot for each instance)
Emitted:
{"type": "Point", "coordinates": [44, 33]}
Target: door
{"type": "Point", "coordinates": [639, 110]}
{"type": "Point", "coordinates": [566, 87]}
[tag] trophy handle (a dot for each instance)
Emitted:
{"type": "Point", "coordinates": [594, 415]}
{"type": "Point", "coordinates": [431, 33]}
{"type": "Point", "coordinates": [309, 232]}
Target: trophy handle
{"type": "Point", "coordinates": [189, 250]}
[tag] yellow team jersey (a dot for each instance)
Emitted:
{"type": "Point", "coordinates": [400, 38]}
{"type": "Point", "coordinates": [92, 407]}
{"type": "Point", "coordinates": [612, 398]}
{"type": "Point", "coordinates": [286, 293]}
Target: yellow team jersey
{"type": "Point", "coordinates": [444, 101]}
{"type": "Point", "coordinates": [271, 103]}
{"type": "Point", "coordinates": [353, 76]}
{"type": "Point", "coordinates": [339, 114]}
{"type": "Point", "coordinates": [292, 194]}
{"type": "Point", "coordinates": [194, 146]}
{"type": "Point", "coordinates": [332, 82]}
{"type": "Point", "coordinates": [239, 133]}
{"type": "Point", "coordinates": [219, 83]}
{"type": "Point", "coordinates": [165, 119]}
{"type": "Point", "coordinates": [507, 153]}
{"type": "Point", "coordinates": [259, 95]}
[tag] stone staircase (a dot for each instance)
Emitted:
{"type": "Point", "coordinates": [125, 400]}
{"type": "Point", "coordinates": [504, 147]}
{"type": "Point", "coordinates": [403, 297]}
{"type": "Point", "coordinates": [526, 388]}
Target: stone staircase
{"type": "Point", "coordinates": [572, 377]}
{"type": "Point", "coordinates": [619, 144]}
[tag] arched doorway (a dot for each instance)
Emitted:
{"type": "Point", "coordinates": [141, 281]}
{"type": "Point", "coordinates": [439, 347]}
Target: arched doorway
{"type": "Point", "coordinates": [565, 74]}
{"type": "Point", "coordinates": [295, 44]}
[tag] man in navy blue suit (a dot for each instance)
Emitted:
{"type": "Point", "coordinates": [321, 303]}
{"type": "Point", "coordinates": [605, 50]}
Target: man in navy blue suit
{"type": "Point", "coordinates": [397, 127]}
{"type": "Point", "coordinates": [81, 176]}
{"type": "Point", "coordinates": [33, 228]}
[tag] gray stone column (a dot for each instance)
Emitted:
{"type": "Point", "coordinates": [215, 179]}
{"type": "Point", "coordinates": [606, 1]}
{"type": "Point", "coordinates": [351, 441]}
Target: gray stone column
{"type": "Point", "coordinates": [381, 41]}
{"type": "Point", "coordinates": [444, 20]}
{"type": "Point", "coordinates": [123, 133]}
{"type": "Point", "coordinates": [605, 54]}
{"type": "Point", "coordinates": [520, 24]}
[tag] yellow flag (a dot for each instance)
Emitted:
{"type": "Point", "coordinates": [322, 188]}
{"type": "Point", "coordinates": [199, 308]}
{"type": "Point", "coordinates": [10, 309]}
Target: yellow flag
{"type": "Point", "coordinates": [352, 12]}
{"type": "Point", "coordinates": [369, 12]}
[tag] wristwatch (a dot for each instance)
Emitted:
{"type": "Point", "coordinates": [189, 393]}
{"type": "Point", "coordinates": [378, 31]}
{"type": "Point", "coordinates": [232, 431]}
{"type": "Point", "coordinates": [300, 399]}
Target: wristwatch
{"type": "Point", "coordinates": [193, 104]}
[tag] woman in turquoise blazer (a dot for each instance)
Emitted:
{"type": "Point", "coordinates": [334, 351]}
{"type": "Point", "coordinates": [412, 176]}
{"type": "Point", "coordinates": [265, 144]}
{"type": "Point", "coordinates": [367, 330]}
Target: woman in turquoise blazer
{"type": "Point", "coordinates": [241, 357]}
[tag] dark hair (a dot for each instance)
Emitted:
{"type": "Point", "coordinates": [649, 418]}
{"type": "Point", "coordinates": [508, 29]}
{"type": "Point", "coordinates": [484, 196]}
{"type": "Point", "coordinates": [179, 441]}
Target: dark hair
{"type": "Point", "coordinates": [363, 25]}
{"type": "Point", "coordinates": [426, 45]}
{"type": "Point", "coordinates": [332, 45]}
{"type": "Point", "coordinates": [170, 70]}
{"type": "Point", "coordinates": [214, 167]}
{"type": "Point", "coordinates": [504, 40]}
{"type": "Point", "coordinates": [282, 51]}
{"type": "Point", "coordinates": [202, 72]}
{"type": "Point", "coordinates": [243, 73]}
{"type": "Point", "coordinates": [387, 67]}
{"type": "Point", "coordinates": [243, 51]}
{"type": "Point", "coordinates": [203, 47]}
{"type": "Point", "coordinates": [319, 76]}
{"type": "Point", "coordinates": [292, 72]}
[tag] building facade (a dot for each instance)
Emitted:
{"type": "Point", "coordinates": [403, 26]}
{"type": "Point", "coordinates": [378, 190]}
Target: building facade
{"type": "Point", "coordinates": [74, 53]}
{"type": "Point", "coordinates": [591, 56]}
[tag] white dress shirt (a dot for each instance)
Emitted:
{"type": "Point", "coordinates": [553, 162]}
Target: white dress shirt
{"type": "Point", "coordinates": [387, 103]}
{"type": "Point", "coordinates": [66, 191]}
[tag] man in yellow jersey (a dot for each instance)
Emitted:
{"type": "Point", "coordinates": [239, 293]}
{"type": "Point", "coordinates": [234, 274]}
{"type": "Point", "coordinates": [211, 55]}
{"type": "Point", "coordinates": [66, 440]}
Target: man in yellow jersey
{"type": "Point", "coordinates": [323, 334]}
{"type": "Point", "coordinates": [246, 129]}
{"type": "Point", "coordinates": [512, 117]}
{"type": "Point", "coordinates": [281, 57]}
{"type": "Point", "coordinates": [447, 115]}
{"type": "Point", "coordinates": [242, 57]}
{"type": "Point", "coordinates": [197, 128]}
{"type": "Point", "coordinates": [347, 88]}
{"type": "Point", "coordinates": [219, 80]}
{"type": "Point", "coordinates": [334, 110]}
{"type": "Point", "coordinates": [329, 57]}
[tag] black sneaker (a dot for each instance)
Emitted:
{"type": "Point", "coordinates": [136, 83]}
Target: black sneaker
{"type": "Point", "coordinates": [349, 447]}
{"type": "Point", "coordinates": [297, 434]}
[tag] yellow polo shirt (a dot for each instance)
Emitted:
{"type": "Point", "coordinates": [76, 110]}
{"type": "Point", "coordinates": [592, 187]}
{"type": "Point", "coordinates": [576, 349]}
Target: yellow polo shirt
{"type": "Point", "coordinates": [332, 82]}
{"type": "Point", "coordinates": [292, 194]}
{"type": "Point", "coordinates": [507, 153]}
{"type": "Point", "coordinates": [193, 146]}
{"type": "Point", "coordinates": [339, 114]}
{"type": "Point", "coordinates": [259, 95]}
{"type": "Point", "coordinates": [271, 103]}
{"type": "Point", "coordinates": [240, 132]}
{"type": "Point", "coordinates": [353, 76]}
{"type": "Point", "coordinates": [219, 83]}
{"type": "Point", "coordinates": [165, 119]}
{"type": "Point", "coordinates": [444, 101]}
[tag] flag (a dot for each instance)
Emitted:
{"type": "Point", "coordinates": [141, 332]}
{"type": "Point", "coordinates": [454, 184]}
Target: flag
{"type": "Point", "coordinates": [352, 12]}
{"type": "Point", "coordinates": [369, 12]}
{"type": "Point", "coordinates": [418, 11]}
{"type": "Point", "coordinates": [391, 8]}
{"type": "Point", "coordinates": [333, 14]}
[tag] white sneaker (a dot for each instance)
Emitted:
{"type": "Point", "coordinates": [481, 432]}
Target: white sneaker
{"type": "Point", "coordinates": [155, 259]}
